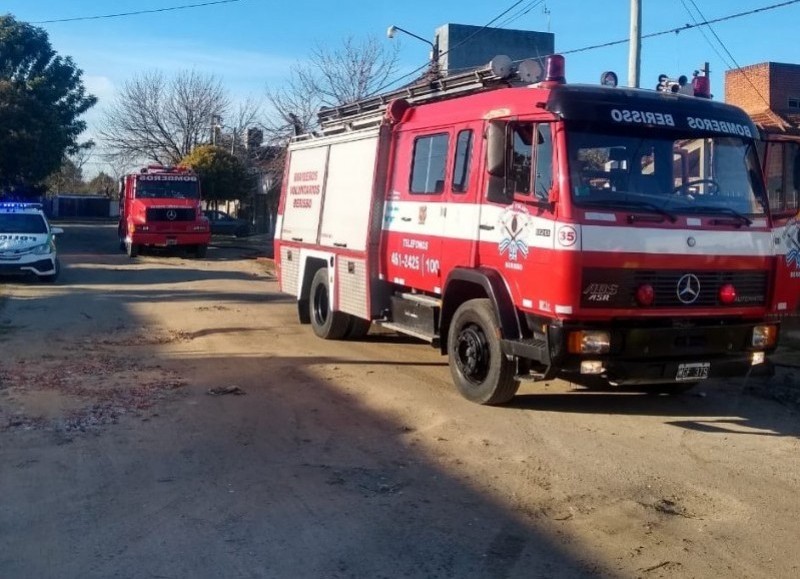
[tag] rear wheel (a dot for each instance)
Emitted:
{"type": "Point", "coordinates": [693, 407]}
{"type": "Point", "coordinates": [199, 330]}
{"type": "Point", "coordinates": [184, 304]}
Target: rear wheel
{"type": "Point", "coordinates": [358, 328]}
{"type": "Point", "coordinates": [201, 250]}
{"type": "Point", "coordinates": [325, 322]}
{"type": "Point", "coordinates": [480, 370]}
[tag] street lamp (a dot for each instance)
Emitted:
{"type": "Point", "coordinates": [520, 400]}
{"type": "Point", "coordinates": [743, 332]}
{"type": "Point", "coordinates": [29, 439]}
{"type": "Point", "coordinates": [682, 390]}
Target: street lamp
{"type": "Point", "coordinates": [434, 65]}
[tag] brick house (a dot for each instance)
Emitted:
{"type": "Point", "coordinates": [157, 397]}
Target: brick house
{"type": "Point", "coordinates": [770, 93]}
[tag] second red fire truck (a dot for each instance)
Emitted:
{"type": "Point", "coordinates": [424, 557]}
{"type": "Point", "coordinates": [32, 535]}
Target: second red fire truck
{"type": "Point", "coordinates": [160, 207]}
{"type": "Point", "coordinates": [533, 229]}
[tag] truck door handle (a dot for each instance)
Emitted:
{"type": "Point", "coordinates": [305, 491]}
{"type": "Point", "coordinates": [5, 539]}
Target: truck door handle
{"type": "Point", "coordinates": [487, 227]}
{"type": "Point", "coordinates": [297, 239]}
{"type": "Point", "coordinates": [405, 219]}
{"type": "Point", "coordinates": [339, 244]}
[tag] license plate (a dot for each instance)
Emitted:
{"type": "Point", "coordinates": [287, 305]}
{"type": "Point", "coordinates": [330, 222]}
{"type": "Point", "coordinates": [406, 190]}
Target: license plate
{"type": "Point", "coordinates": [694, 371]}
{"type": "Point", "coordinates": [172, 241]}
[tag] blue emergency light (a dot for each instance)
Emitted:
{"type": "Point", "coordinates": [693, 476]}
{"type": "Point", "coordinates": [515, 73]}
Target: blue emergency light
{"type": "Point", "coordinates": [10, 206]}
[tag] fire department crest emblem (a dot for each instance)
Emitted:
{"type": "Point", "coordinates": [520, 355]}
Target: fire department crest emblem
{"type": "Point", "coordinates": [423, 214]}
{"type": "Point", "coordinates": [791, 240]}
{"type": "Point", "coordinates": [514, 223]}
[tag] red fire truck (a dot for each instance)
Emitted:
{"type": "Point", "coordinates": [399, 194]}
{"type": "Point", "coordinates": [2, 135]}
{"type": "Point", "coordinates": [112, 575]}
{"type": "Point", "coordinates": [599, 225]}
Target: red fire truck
{"type": "Point", "coordinates": [160, 207]}
{"type": "Point", "coordinates": [533, 229]}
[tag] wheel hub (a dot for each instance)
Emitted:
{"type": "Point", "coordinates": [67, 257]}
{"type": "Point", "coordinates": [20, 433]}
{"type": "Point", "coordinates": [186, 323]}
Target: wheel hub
{"type": "Point", "coordinates": [472, 353]}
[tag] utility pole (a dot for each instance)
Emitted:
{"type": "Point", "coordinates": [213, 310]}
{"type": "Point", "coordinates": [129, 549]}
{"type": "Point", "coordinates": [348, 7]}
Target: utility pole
{"type": "Point", "coordinates": [635, 53]}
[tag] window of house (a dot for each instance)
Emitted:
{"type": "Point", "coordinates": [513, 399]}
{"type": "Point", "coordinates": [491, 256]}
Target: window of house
{"type": "Point", "coordinates": [794, 102]}
{"type": "Point", "coordinates": [462, 164]}
{"type": "Point", "coordinates": [430, 161]}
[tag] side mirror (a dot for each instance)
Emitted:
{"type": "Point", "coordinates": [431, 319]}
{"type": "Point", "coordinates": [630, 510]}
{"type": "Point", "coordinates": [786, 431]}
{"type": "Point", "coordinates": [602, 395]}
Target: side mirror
{"type": "Point", "coordinates": [56, 230]}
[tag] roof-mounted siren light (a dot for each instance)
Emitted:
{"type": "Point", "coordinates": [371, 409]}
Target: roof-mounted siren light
{"type": "Point", "coordinates": [500, 66]}
{"type": "Point", "coordinates": [701, 85]}
{"type": "Point", "coordinates": [555, 67]}
{"type": "Point", "coordinates": [530, 71]}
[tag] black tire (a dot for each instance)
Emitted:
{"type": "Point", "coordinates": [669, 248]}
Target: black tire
{"type": "Point", "coordinates": [53, 276]}
{"type": "Point", "coordinates": [201, 250]}
{"type": "Point", "coordinates": [131, 249]}
{"type": "Point", "coordinates": [480, 370]}
{"type": "Point", "coordinates": [326, 323]}
{"type": "Point", "coordinates": [358, 328]}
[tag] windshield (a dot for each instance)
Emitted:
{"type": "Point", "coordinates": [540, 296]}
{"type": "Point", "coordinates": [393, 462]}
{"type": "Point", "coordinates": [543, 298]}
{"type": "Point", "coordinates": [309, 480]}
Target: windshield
{"type": "Point", "coordinates": [167, 187]}
{"type": "Point", "coordinates": [22, 223]}
{"type": "Point", "coordinates": [704, 175]}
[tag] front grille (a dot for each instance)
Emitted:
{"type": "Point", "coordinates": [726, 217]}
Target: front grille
{"type": "Point", "coordinates": [162, 214]}
{"type": "Point", "coordinates": [616, 288]}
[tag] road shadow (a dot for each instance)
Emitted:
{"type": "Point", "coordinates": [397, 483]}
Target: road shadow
{"type": "Point", "coordinates": [718, 402]}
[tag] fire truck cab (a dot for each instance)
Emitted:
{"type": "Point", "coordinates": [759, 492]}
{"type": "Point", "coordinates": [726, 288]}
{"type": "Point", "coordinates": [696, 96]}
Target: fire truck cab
{"type": "Point", "coordinates": [160, 207]}
{"type": "Point", "coordinates": [533, 229]}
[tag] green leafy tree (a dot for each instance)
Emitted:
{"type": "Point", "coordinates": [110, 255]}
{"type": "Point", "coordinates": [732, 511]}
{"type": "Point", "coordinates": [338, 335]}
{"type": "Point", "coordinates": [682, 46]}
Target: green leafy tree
{"type": "Point", "coordinates": [42, 98]}
{"type": "Point", "coordinates": [103, 184]}
{"type": "Point", "coordinates": [68, 178]}
{"type": "Point", "coordinates": [223, 177]}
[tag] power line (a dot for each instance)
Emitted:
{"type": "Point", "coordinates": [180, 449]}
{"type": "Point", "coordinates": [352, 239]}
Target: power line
{"type": "Point", "coordinates": [139, 12]}
{"type": "Point", "coordinates": [621, 41]}
{"type": "Point", "coordinates": [728, 52]}
{"type": "Point", "coordinates": [684, 27]}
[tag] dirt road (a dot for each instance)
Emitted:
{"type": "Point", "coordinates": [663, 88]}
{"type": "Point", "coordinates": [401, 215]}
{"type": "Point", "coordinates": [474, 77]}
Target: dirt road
{"type": "Point", "coordinates": [346, 459]}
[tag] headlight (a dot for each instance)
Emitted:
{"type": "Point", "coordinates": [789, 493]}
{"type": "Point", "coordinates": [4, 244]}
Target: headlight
{"type": "Point", "coordinates": [765, 336]}
{"type": "Point", "coordinates": [43, 249]}
{"type": "Point", "coordinates": [589, 342]}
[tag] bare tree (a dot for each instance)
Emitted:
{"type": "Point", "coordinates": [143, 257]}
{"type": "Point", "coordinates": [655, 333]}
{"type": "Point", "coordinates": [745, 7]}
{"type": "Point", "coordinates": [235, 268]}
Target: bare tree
{"type": "Point", "coordinates": [231, 132]}
{"type": "Point", "coordinates": [162, 120]}
{"type": "Point", "coordinates": [330, 77]}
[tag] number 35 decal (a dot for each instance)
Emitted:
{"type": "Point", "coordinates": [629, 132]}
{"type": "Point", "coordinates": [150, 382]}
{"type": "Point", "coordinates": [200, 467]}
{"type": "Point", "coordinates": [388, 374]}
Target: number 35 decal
{"type": "Point", "coordinates": [567, 236]}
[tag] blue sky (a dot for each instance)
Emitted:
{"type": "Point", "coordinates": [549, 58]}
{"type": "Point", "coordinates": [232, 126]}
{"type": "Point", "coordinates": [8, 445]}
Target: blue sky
{"type": "Point", "coordinates": [250, 44]}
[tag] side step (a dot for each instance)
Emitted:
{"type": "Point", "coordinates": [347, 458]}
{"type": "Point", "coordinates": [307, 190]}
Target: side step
{"type": "Point", "coordinates": [416, 315]}
{"type": "Point", "coordinates": [433, 339]}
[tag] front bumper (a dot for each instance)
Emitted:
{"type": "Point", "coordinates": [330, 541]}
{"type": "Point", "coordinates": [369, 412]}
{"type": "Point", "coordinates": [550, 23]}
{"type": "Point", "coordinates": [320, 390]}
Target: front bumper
{"type": "Point", "coordinates": [642, 356]}
{"type": "Point", "coordinates": [170, 239]}
{"type": "Point", "coordinates": [28, 265]}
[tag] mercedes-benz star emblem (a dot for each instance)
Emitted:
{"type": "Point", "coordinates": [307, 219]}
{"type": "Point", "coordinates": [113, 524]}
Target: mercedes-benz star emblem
{"type": "Point", "coordinates": [688, 288]}
{"type": "Point", "coordinates": [172, 214]}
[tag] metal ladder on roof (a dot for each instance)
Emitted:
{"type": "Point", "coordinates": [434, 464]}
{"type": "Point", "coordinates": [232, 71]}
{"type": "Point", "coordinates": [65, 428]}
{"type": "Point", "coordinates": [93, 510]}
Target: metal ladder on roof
{"type": "Point", "coordinates": [367, 112]}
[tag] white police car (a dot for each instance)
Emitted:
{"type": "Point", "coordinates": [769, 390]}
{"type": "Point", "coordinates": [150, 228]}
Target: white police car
{"type": "Point", "coordinates": [27, 242]}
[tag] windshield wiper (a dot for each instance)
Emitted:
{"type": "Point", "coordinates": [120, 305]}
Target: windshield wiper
{"type": "Point", "coordinates": [718, 209]}
{"type": "Point", "coordinates": [631, 204]}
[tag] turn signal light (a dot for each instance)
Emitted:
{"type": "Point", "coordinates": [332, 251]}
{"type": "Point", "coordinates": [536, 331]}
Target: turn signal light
{"type": "Point", "coordinates": [645, 295]}
{"type": "Point", "coordinates": [727, 294]}
{"type": "Point", "coordinates": [765, 336]}
{"type": "Point", "coordinates": [589, 342]}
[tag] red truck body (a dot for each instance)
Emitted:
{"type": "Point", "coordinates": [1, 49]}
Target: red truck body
{"type": "Point", "coordinates": [607, 236]}
{"type": "Point", "coordinates": [781, 163]}
{"type": "Point", "coordinates": [160, 207]}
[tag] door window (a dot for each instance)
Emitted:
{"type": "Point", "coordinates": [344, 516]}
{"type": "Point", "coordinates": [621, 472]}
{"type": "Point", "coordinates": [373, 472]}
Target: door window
{"type": "Point", "coordinates": [430, 160]}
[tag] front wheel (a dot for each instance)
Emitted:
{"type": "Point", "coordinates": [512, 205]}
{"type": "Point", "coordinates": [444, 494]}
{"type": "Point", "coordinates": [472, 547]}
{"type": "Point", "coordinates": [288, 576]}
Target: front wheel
{"type": "Point", "coordinates": [325, 322]}
{"type": "Point", "coordinates": [53, 276]}
{"type": "Point", "coordinates": [480, 370]}
{"type": "Point", "coordinates": [131, 249]}
{"type": "Point", "coordinates": [201, 250]}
